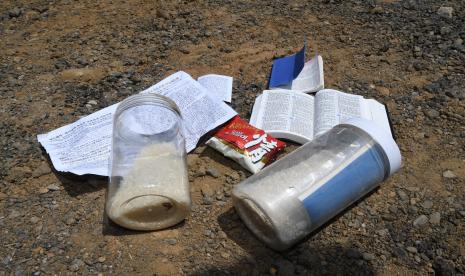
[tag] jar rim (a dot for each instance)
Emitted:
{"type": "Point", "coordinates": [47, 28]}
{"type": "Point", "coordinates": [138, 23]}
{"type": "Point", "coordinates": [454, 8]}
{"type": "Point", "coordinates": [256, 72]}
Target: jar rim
{"type": "Point", "coordinates": [147, 99]}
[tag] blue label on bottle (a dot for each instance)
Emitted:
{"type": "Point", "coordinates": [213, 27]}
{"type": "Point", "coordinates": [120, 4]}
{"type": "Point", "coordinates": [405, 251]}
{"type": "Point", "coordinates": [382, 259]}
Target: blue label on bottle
{"type": "Point", "coordinates": [348, 185]}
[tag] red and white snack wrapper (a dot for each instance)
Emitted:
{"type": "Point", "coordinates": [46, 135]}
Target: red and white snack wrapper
{"type": "Point", "coordinates": [249, 146]}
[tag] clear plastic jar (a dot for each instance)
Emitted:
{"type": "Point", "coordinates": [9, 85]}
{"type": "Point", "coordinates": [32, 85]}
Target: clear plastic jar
{"type": "Point", "coordinates": [297, 194]}
{"type": "Point", "coordinates": [148, 186]}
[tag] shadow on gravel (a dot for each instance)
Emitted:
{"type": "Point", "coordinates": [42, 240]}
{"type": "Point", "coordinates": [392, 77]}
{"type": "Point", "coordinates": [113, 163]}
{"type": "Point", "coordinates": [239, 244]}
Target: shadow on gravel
{"type": "Point", "coordinates": [76, 185]}
{"type": "Point", "coordinates": [309, 255]}
{"type": "Point", "coordinates": [307, 258]}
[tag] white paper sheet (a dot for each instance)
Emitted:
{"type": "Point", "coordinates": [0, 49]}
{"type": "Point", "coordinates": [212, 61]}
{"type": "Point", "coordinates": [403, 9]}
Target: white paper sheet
{"type": "Point", "coordinates": [218, 86]}
{"type": "Point", "coordinates": [83, 147]}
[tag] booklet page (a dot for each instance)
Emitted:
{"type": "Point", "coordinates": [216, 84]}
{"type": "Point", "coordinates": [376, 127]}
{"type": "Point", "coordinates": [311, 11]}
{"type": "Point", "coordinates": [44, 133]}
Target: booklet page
{"type": "Point", "coordinates": [285, 114]}
{"type": "Point", "coordinates": [378, 114]}
{"type": "Point", "coordinates": [333, 107]}
{"type": "Point", "coordinates": [218, 86]}
{"type": "Point", "coordinates": [84, 146]}
{"type": "Point", "coordinates": [310, 79]}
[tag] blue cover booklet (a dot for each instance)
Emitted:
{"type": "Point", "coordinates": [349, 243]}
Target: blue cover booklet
{"type": "Point", "coordinates": [286, 69]}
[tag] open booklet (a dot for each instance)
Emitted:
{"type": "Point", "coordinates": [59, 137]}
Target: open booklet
{"type": "Point", "coordinates": [310, 79]}
{"type": "Point", "coordinates": [299, 117]}
{"type": "Point", "coordinates": [83, 147]}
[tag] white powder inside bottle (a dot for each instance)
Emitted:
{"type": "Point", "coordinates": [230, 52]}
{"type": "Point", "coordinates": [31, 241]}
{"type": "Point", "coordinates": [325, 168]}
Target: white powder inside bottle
{"type": "Point", "coordinates": [154, 194]}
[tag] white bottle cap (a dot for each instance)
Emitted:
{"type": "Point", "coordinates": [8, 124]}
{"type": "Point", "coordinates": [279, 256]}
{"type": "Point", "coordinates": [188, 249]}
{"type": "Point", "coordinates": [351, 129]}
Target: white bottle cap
{"type": "Point", "coordinates": [382, 137]}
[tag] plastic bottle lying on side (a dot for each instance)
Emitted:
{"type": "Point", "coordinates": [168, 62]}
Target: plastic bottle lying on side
{"type": "Point", "coordinates": [300, 192]}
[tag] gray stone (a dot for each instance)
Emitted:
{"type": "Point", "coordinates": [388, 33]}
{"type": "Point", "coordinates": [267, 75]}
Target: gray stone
{"type": "Point", "coordinates": [412, 249]}
{"type": "Point", "coordinates": [432, 114]}
{"type": "Point", "coordinates": [445, 30]}
{"type": "Point", "coordinates": [427, 204]}
{"type": "Point", "coordinates": [15, 12]}
{"type": "Point", "coordinates": [377, 10]}
{"type": "Point", "coordinates": [420, 221]}
{"type": "Point", "coordinates": [184, 50]}
{"type": "Point", "coordinates": [393, 209]}
{"type": "Point", "coordinates": [207, 200]}
{"type": "Point", "coordinates": [213, 172]}
{"type": "Point", "coordinates": [226, 50]}
{"type": "Point", "coordinates": [435, 218]}
{"type": "Point", "coordinates": [92, 102]}
{"type": "Point", "coordinates": [449, 174]}
{"type": "Point", "coordinates": [53, 187]}
{"type": "Point", "coordinates": [171, 241]}
{"type": "Point", "coordinates": [34, 219]}
{"type": "Point", "coordinates": [82, 61]}
{"type": "Point", "coordinates": [163, 14]}
{"type": "Point", "coordinates": [68, 218]}
{"type": "Point", "coordinates": [76, 265]}
{"type": "Point", "coordinates": [225, 255]}
{"type": "Point", "coordinates": [402, 195]}
{"type": "Point", "coordinates": [400, 252]}
{"type": "Point", "coordinates": [445, 12]}
{"type": "Point", "coordinates": [200, 172]}
{"type": "Point", "coordinates": [458, 42]}
{"type": "Point", "coordinates": [368, 256]}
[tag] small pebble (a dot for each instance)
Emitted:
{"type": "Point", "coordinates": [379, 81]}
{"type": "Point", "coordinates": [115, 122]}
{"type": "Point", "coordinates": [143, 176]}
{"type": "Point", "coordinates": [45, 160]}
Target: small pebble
{"type": "Point", "coordinates": [435, 218]}
{"type": "Point", "coordinates": [449, 174]}
{"type": "Point", "coordinates": [420, 221]}
{"type": "Point", "coordinates": [184, 50]}
{"type": "Point", "coordinates": [207, 200]}
{"type": "Point", "coordinates": [171, 241]}
{"type": "Point", "coordinates": [76, 265]}
{"type": "Point", "coordinates": [213, 172]}
{"type": "Point", "coordinates": [402, 195]}
{"type": "Point", "coordinates": [427, 204]}
{"type": "Point", "coordinates": [53, 187]}
{"type": "Point", "coordinates": [445, 12]}
{"type": "Point", "coordinates": [34, 219]}
{"type": "Point", "coordinates": [368, 256]}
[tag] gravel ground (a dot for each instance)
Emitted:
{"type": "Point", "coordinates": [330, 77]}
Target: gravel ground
{"type": "Point", "coordinates": [64, 59]}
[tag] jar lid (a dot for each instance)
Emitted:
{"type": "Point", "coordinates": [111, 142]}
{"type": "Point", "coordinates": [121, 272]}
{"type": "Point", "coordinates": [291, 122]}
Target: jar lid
{"type": "Point", "coordinates": [382, 137]}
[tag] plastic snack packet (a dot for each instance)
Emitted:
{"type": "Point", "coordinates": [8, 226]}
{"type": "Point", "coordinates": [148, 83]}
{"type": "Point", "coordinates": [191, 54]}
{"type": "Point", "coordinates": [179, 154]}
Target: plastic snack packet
{"type": "Point", "coordinates": [247, 145]}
